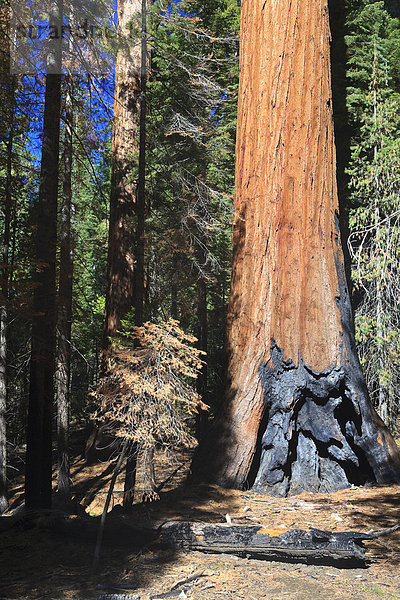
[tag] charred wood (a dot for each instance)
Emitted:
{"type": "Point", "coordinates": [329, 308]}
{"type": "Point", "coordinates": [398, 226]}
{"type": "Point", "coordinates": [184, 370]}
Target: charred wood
{"type": "Point", "coordinates": [251, 541]}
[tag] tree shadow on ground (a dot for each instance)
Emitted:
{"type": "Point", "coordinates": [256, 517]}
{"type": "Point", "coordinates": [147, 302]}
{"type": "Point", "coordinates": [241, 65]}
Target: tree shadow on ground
{"type": "Point", "coordinates": [381, 512]}
{"type": "Point", "coordinates": [86, 489]}
{"type": "Point", "coordinates": [38, 559]}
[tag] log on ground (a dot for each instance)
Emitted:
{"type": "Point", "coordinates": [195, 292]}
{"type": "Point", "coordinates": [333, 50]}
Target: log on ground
{"type": "Point", "coordinates": [254, 541]}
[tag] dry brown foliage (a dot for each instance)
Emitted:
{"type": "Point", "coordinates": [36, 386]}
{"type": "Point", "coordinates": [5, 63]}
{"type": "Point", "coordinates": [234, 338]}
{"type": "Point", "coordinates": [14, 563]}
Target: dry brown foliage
{"type": "Point", "coordinates": [147, 395]}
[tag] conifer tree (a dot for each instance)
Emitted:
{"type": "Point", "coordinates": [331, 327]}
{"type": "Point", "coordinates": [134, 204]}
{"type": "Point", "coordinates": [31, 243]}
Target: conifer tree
{"type": "Point", "coordinates": [373, 101]}
{"type": "Point", "coordinates": [125, 150]}
{"type": "Point", "coordinates": [296, 414]}
{"type": "Point", "coordinates": [65, 292]}
{"type": "Point", "coordinates": [38, 470]}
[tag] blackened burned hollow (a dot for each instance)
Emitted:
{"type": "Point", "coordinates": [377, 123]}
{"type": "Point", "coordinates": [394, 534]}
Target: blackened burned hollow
{"type": "Point", "coordinates": [316, 434]}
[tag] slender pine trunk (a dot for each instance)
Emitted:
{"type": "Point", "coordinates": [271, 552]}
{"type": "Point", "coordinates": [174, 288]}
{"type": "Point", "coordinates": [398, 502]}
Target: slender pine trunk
{"type": "Point", "coordinates": [202, 334]}
{"type": "Point", "coordinates": [130, 476]}
{"type": "Point", "coordinates": [150, 485]}
{"type": "Point", "coordinates": [382, 403]}
{"type": "Point", "coordinates": [3, 406]}
{"type": "Point", "coordinates": [174, 287]}
{"type": "Point", "coordinates": [100, 533]}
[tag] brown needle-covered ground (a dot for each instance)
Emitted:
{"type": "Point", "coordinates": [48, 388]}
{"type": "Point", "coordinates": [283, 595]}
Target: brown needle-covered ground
{"type": "Point", "coordinates": [36, 562]}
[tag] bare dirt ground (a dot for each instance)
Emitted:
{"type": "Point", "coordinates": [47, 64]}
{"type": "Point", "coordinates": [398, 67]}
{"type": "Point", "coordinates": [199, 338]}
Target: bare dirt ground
{"type": "Point", "coordinates": [36, 562]}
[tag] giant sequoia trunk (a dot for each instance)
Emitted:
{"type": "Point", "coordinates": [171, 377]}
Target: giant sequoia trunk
{"type": "Point", "coordinates": [296, 414]}
{"type": "Point", "coordinates": [125, 152]}
{"type": "Point", "coordinates": [123, 199]}
{"type": "Point", "coordinates": [139, 285]}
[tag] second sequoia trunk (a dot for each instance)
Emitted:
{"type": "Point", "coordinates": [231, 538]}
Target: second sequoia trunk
{"type": "Point", "coordinates": [296, 415]}
{"type": "Point", "coordinates": [125, 150]}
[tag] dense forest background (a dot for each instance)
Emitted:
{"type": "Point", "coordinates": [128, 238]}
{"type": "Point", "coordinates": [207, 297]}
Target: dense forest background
{"type": "Point", "coordinates": [186, 174]}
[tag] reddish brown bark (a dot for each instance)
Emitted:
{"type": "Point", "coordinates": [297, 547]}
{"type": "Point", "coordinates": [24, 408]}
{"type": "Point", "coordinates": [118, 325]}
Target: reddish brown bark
{"type": "Point", "coordinates": [120, 292]}
{"type": "Point", "coordinates": [125, 152]}
{"type": "Point", "coordinates": [139, 290]}
{"type": "Point", "coordinates": [296, 413]}
{"type": "Point", "coordinates": [139, 284]}
{"type": "Point", "coordinates": [125, 265]}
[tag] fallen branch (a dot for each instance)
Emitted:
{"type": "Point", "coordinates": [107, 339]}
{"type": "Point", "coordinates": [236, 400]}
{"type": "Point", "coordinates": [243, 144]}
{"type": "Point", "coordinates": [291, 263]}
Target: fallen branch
{"type": "Point", "coordinates": [178, 588]}
{"type": "Point", "coordinates": [381, 532]}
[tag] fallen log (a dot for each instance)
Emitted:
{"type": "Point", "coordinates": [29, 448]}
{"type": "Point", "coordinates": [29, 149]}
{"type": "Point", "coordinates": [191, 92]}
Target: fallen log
{"type": "Point", "coordinates": [254, 541]}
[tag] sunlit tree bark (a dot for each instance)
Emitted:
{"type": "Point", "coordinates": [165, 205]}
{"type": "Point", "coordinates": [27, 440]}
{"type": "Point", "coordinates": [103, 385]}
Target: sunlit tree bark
{"type": "Point", "coordinates": [125, 153]}
{"type": "Point", "coordinates": [139, 291]}
{"type": "Point", "coordinates": [296, 414]}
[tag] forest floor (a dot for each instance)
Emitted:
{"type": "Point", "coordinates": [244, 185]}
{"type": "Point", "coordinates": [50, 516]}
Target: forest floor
{"type": "Point", "coordinates": [38, 563]}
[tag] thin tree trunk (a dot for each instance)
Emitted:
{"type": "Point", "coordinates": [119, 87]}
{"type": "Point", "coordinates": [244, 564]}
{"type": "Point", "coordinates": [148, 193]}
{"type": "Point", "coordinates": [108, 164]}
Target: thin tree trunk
{"type": "Point", "coordinates": [100, 533]}
{"type": "Point", "coordinates": [130, 477]}
{"type": "Point", "coordinates": [3, 406]}
{"type": "Point", "coordinates": [174, 288]}
{"type": "Point", "coordinates": [38, 466]}
{"type": "Point", "coordinates": [141, 188]}
{"type": "Point", "coordinates": [65, 309]}
{"type": "Point", "coordinates": [202, 334]}
{"type": "Point", "coordinates": [296, 414]}
{"type": "Point", "coordinates": [150, 486]}
{"type": "Point", "coordinates": [382, 386]}
{"type": "Point", "coordinates": [383, 408]}
{"type": "Point", "coordinates": [3, 308]}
